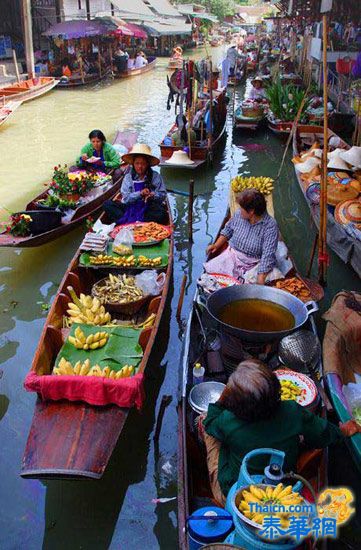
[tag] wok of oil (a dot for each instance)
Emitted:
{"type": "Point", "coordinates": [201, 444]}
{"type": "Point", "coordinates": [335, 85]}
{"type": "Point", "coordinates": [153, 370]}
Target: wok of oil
{"type": "Point", "coordinates": [257, 316]}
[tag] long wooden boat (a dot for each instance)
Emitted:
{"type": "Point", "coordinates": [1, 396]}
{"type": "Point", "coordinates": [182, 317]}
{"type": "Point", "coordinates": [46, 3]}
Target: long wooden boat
{"type": "Point", "coordinates": [202, 150]}
{"type": "Point", "coordinates": [341, 242]}
{"type": "Point", "coordinates": [194, 490]}
{"type": "Point", "coordinates": [247, 122]}
{"type": "Point", "coordinates": [8, 110]}
{"type": "Point", "coordinates": [282, 129]}
{"type": "Point", "coordinates": [152, 61]}
{"type": "Point", "coordinates": [72, 439]}
{"type": "Point", "coordinates": [343, 323]}
{"type": "Point", "coordinates": [90, 208]}
{"type": "Point", "coordinates": [75, 81]}
{"type": "Point", "coordinates": [27, 90]}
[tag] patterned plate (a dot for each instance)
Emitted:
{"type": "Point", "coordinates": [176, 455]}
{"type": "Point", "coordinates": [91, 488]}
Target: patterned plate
{"type": "Point", "coordinates": [225, 280]}
{"type": "Point", "coordinates": [307, 386]}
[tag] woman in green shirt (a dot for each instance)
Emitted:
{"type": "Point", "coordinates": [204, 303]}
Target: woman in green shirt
{"type": "Point", "coordinates": [250, 415]}
{"type": "Point", "coordinates": [99, 155]}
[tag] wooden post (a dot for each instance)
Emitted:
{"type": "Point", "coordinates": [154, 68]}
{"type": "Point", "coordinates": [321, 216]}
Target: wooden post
{"type": "Point", "coordinates": [190, 210]}
{"type": "Point", "coordinates": [210, 134]}
{"type": "Point", "coordinates": [28, 37]}
{"type": "Point", "coordinates": [111, 58]}
{"type": "Point", "coordinates": [322, 242]}
{"type": "Point", "coordinates": [15, 59]}
{"type": "Point", "coordinates": [181, 297]}
{"type": "Point", "coordinates": [81, 68]}
{"type": "Point", "coordinates": [87, 7]}
{"type": "Point", "coordinates": [99, 59]}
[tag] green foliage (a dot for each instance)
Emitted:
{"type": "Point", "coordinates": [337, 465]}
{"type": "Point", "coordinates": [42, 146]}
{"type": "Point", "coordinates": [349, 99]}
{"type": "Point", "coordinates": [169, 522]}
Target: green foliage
{"type": "Point", "coordinates": [220, 8]}
{"type": "Point", "coordinates": [285, 100]}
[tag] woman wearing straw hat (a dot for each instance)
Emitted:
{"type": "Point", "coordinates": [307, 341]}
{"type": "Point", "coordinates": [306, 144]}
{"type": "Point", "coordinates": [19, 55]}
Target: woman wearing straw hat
{"type": "Point", "coordinates": [143, 190]}
{"type": "Point", "coordinates": [257, 92]}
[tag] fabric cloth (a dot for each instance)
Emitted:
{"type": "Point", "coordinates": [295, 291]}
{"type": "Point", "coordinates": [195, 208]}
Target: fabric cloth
{"type": "Point", "coordinates": [258, 240]}
{"type": "Point", "coordinates": [131, 63]}
{"type": "Point", "coordinates": [257, 94]}
{"type": "Point", "coordinates": [135, 211]}
{"type": "Point", "coordinates": [140, 62]}
{"type": "Point", "coordinates": [156, 186]}
{"type": "Point", "coordinates": [125, 392]}
{"type": "Point", "coordinates": [341, 344]}
{"type": "Point", "coordinates": [213, 447]}
{"type": "Point", "coordinates": [155, 212]}
{"type": "Point", "coordinates": [225, 72]}
{"type": "Point", "coordinates": [281, 432]}
{"type": "Point", "coordinates": [110, 155]}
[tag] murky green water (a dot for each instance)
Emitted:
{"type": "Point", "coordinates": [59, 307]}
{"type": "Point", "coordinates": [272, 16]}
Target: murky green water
{"type": "Point", "coordinates": [117, 511]}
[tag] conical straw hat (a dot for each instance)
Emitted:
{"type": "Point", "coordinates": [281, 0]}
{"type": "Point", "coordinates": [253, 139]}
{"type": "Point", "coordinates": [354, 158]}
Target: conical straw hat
{"type": "Point", "coordinates": [307, 165]}
{"type": "Point", "coordinates": [337, 163]}
{"type": "Point", "coordinates": [180, 158]}
{"type": "Point", "coordinates": [352, 156]}
{"type": "Point", "coordinates": [140, 149]}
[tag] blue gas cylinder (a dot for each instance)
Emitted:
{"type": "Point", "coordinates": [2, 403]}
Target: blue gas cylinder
{"type": "Point", "coordinates": [205, 528]}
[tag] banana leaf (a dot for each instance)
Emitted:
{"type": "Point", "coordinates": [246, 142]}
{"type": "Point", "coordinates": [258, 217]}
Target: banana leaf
{"type": "Point", "coordinates": [161, 249]}
{"type": "Point", "coordinates": [121, 349]}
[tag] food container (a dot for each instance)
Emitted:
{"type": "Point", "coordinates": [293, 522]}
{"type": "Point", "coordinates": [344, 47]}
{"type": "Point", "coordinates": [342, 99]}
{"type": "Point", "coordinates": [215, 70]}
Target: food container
{"type": "Point", "coordinates": [129, 308]}
{"type": "Point", "coordinates": [309, 396]}
{"type": "Point", "coordinates": [204, 527]}
{"type": "Point", "coordinates": [203, 394]}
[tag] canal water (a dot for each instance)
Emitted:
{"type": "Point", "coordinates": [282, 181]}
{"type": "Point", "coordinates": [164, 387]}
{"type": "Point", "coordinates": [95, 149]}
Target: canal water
{"type": "Point", "coordinates": [119, 511]}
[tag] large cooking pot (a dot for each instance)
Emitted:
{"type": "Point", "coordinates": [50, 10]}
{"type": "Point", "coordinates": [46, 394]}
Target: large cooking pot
{"type": "Point", "coordinates": [224, 296]}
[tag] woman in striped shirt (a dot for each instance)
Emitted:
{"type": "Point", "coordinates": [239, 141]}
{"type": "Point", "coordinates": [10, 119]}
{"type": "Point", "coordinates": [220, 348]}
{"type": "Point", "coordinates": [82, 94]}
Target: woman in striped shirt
{"type": "Point", "coordinates": [252, 238]}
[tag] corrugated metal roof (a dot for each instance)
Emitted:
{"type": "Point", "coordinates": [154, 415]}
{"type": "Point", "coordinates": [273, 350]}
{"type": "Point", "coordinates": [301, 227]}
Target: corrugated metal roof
{"type": "Point", "coordinates": [133, 6]}
{"type": "Point", "coordinates": [167, 27]}
{"type": "Point", "coordinates": [163, 7]}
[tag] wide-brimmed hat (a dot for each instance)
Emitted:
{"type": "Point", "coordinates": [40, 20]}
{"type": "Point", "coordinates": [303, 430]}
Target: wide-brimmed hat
{"type": "Point", "coordinates": [180, 158]}
{"type": "Point", "coordinates": [143, 150]}
{"type": "Point", "coordinates": [352, 156]}
{"type": "Point", "coordinates": [349, 212]}
{"type": "Point", "coordinates": [257, 79]}
{"type": "Point", "coordinates": [336, 162]}
{"type": "Point", "coordinates": [307, 165]}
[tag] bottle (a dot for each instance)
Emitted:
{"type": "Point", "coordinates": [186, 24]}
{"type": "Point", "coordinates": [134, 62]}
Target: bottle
{"type": "Point", "coordinates": [198, 374]}
{"type": "Point", "coordinates": [214, 359]}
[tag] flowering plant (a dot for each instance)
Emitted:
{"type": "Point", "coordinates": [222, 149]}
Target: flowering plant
{"type": "Point", "coordinates": [71, 183]}
{"type": "Point", "coordinates": [18, 225]}
{"type": "Point", "coordinates": [89, 223]}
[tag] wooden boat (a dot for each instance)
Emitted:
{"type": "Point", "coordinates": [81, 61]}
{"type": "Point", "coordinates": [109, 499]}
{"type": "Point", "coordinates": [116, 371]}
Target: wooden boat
{"type": "Point", "coordinates": [282, 129]}
{"type": "Point", "coordinates": [27, 90]}
{"type": "Point", "coordinates": [203, 149]}
{"type": "Point", "coordinates": [247, 122]}
{"type": "Point", "coordinates": [194, 490]}
{"type": "Point", "coordinates": [336, 353]}
{"type": "Point", "coordinates": [341, 242]}
{"type": "Point", "coordinates": [74, 439]}
{"type": "Point", "coordinates": [152, 61]}
{"type": "Point", "coordinates": [91, 208]}
{"type": "Point", "coordinates": [76, 80]}
{"type": "Point", "coordinates": [8, 110]}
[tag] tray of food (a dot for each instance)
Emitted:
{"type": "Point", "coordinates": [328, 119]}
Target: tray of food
{"type": "Point", "coordinates": [295, 286]}
{"type": "Point", "coordinates": [297, 387]}
{"type": "Point", "coordinates": [145, 233]}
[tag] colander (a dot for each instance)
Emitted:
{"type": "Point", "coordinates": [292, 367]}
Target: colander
{"type": "Point", "coordinates": [300, 351]}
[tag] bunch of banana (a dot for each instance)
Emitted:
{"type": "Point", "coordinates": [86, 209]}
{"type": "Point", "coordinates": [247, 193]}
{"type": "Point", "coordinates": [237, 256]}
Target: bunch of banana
{"type": "Point", "coordinates": [91, 342]}
{"type": "Point", "coordinates": [86, 310]}
{"type": "Point", "coordinates": [143, 261]}
{"type": "Point", "coordinates": [119, 261]}
{"type": "Point", "coordinates": [85, 369]}
{"type": "Point", "coordinates": [289, 390]}
{"type": "Point", "coordinates": [267, 497]}
{"type": "Point", "coordinates": [149, 322]}
{"type": "Point", "coordinates": [261, 183]}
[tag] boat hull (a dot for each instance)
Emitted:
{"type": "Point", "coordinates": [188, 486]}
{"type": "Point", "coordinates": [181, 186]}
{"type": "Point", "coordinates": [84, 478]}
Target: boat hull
{"type": "Point", "coordinates": [137, 72]}
{"type": "Point", "coordinates": [17, 92]}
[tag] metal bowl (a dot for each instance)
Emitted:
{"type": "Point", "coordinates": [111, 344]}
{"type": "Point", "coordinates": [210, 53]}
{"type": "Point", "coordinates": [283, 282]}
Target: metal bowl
{"type": "Point", "coordinates": [203, 394]}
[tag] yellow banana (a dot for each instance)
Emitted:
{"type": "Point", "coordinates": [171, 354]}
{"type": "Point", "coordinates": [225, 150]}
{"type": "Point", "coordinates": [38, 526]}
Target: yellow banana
{"type": "Point", "coordinates": [269, 491]}
{"type": "Point", "coordinates": [84, 370]}
{"type": "Point", "coordinates": [73, 340]}
{"type": "Point", "coordinates": [106, 372]}
{"type": "Point", "coordinates": [257, 492]}
{"type": "Point", "coordinates": [112, 374]}
{"type": "Point", "coordinates": [258, 518]}
{"type": "Point", "coordinates": [102, 342]}
{"type": "Point", "coordinates": [285, 492]}
{"type": "Point", "coordinates": [277, 490]}
{"type": "Point", "coordinates": [93, 346]}
{"type": "Point", "coordinates": [90, 339]}
{"type": "Point", "coordinates": [56, 370]}
{"type": "Point", "coordinates": [77, 368]}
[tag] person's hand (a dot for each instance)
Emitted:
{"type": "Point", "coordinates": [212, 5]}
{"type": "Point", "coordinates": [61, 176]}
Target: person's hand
{"type": "Point", "coordinates": [261, 278]}
{"type": "Point", "coordinates": [84, 157]}
{"type": "Point", "coordinates": [149, 197]}
{"type": "Point", "coordinates": [144, 192]}
{"type": "Point", "coordinates": [211, 249]}
{"type": "Point", "coordinates": [350, 428]}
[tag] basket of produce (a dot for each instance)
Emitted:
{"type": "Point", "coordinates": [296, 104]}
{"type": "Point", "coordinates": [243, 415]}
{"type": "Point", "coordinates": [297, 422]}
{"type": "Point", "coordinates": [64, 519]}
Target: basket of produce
{"type": "Point", "coordinates": [120, 294]}
{"type": "Point", "coordinates": [251, 109]}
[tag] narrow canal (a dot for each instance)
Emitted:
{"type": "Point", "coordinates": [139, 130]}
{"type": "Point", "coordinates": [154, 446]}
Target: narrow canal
{"type": "Point", "coordinates": [118, 511]}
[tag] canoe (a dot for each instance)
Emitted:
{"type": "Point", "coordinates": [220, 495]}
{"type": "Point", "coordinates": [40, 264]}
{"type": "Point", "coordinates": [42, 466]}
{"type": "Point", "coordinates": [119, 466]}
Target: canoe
{"type": "Point", "coordinates": [343, 324]}
{"type": "Point", "coordinates": [194, 490]}
{"type": "Point", "coordinates": [247, 122]}
{"type": "Point", "coordinates": [76, 81]}
{"type": "Point", "coordinates": [8, 110]}
{"type": "Point", "coordinates": [72, 439]}
{"type": "Point", "coordinates": [201, 151]}
{"type": "Point", "coordinates": [136, 72]}
{"type": "Point", "coordinates": [282, 129]}
{"type": "Point", "coordinates": [338, 239]}
{"type": "Point", "coordinates": [27, 90]}
{"type": "Point", "coordinates": [91, 208]}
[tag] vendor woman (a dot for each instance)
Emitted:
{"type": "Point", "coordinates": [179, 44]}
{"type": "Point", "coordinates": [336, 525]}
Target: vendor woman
{"type": "Point", "coordinates": [251, 239]}
{"type": "Point", "coordinates": [143, 190]}
{"type": "Point", "coordinates": [250, 415]}
{"type": "Point", "coordinates": [98, 148]}
{"type": "Point", "coordinates": [257, 93]}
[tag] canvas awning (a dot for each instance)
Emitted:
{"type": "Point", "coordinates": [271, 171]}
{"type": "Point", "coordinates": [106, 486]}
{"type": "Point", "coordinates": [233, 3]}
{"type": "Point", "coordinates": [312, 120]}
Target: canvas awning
{"type": "Point", "coordinates": [185, 10]}
{"type": "Point", "coordinates": [168, 27]}
{"type": "Point", "coordinates": [78, 28]}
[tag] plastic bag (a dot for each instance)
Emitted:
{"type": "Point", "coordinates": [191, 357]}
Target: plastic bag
{"type": "Point", "coordinates": [123, 242]}
{"type": "Point", "coordinates": [150, 282]}
{"type": "Point", "coordinates": [352, 392]}
{"type": "Point", "coordinates": [103, 229]}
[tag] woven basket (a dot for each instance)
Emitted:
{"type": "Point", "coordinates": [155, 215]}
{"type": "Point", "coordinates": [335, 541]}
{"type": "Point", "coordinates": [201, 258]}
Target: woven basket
{"type": "Point", "coordinates": [252, 112]}
{"type": "Point", "coordinates": [125, 309]}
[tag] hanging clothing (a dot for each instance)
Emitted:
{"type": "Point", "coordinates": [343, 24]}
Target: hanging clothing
{"type": "Point", "coordinates": [226, 65]}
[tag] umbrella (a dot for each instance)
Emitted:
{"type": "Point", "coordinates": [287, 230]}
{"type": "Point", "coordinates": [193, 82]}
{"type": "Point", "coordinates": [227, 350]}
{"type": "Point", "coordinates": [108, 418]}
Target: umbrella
{"type": "Point", "coordinates": [137, 31]}
{"type": "Point", "coordinates": [80, 28]}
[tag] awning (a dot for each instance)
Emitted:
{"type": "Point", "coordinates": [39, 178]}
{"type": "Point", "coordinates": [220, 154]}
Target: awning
{"type": "Point", "coordinates": [133, 6]}
{"type": "Point", "coordinates": [79, 28]}
{"type": "Point", "coordinates": [167, 27]}
{"type": "Point", "coordinates": [136, 31]}
{"type": "Point", "coordinates": [197, 14]}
